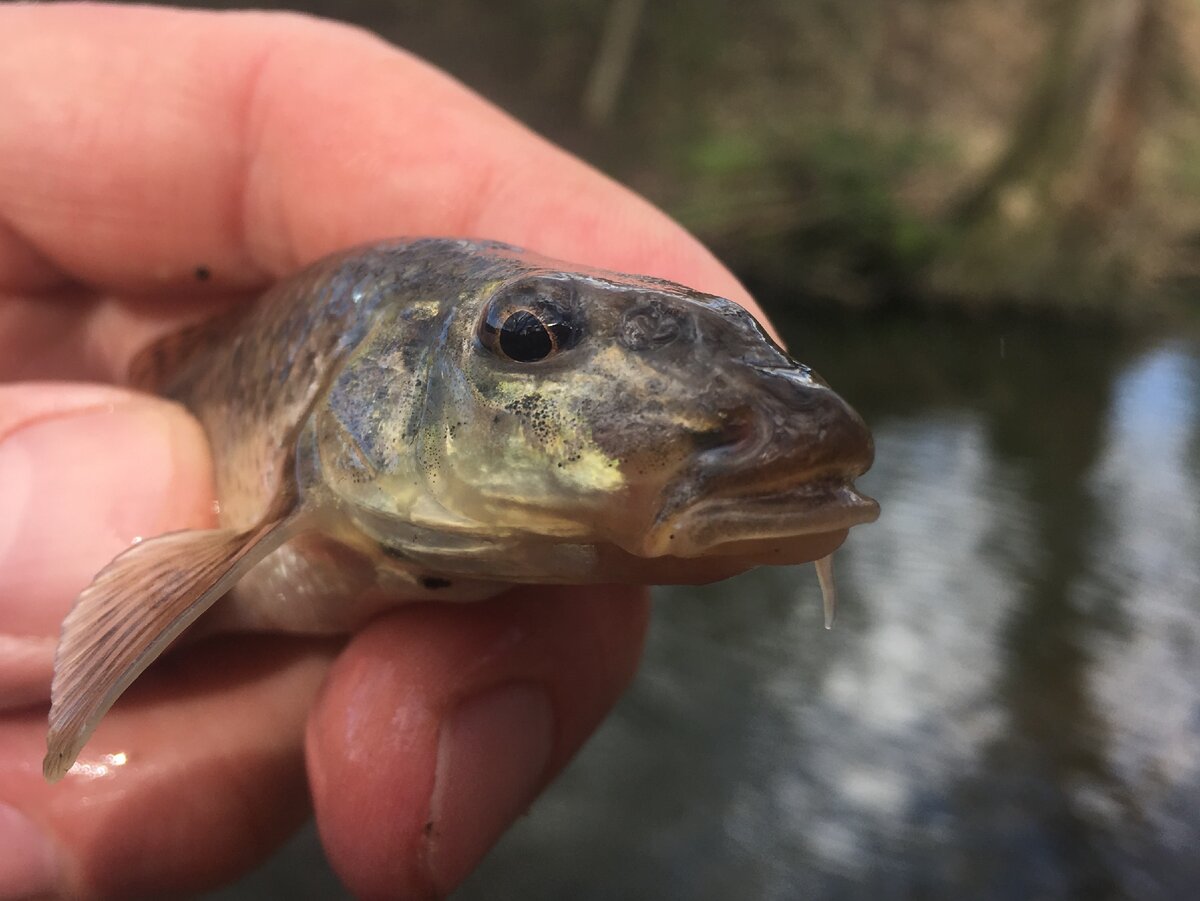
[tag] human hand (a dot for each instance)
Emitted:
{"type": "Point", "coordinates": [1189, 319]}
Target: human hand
{"type": "Point", "coordinates": [157, 164]}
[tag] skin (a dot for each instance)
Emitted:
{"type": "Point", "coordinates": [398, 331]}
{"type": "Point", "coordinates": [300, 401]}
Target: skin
{"type": "Point", "coordinates": [141, 190]}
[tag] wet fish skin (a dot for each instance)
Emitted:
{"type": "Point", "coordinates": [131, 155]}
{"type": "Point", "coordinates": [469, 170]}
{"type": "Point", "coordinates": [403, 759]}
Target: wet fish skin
{"type": "Point", "coordinates": [442, 418]}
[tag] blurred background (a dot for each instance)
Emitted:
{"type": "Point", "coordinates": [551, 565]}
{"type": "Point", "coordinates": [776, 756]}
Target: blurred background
{"type": "Point", "coordinates": [981, 222]}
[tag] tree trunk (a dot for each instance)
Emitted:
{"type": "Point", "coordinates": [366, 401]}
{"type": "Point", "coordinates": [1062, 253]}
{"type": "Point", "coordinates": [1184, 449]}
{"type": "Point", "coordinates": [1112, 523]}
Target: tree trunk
{"type": "Point", "coordinates": [611, 65]}
{"type": "Point", "coordinates": [1074, 152]}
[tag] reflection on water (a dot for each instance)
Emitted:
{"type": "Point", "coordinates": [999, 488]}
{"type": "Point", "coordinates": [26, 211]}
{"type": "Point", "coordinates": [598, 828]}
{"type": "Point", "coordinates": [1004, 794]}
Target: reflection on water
{"type": "Point", "coordinates": [1009, 706]}
{"type": "Point", "coordinates": [1145, 679]}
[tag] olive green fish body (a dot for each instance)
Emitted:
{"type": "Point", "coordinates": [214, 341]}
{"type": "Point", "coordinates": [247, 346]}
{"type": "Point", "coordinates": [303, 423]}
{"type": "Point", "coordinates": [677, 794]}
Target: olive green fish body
{"type": "Point", "coordinates": [260, 380]}
{"type": "Point", "coordinates": [252, 376]}
{"type": "Point", "coordinates": [440, 418]}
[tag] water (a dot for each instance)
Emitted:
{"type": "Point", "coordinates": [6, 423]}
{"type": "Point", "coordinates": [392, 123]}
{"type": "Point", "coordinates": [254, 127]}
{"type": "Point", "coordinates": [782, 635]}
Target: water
{"type": "Point", "coordinates": [1009, 706]}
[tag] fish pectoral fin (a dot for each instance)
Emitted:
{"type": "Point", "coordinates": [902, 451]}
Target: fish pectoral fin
{"type": "Point", "coordinates": [134, 608]}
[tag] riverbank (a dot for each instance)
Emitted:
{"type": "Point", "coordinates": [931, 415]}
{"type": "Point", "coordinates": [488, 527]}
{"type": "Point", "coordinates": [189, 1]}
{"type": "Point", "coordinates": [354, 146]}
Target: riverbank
{"type": "Point", "coordinates": [1031, 155]}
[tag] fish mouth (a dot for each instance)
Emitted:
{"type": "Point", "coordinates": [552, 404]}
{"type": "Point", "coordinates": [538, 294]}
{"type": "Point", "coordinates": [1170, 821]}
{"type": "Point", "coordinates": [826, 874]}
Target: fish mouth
{"type": "Point", "coordinates": [763, 523]}
{"type": "Point", "coordinates": [772, 475]}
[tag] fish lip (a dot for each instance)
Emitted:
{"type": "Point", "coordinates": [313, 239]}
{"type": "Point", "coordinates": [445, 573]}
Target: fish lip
{"type": "Point", "coordinates": [819, 506]}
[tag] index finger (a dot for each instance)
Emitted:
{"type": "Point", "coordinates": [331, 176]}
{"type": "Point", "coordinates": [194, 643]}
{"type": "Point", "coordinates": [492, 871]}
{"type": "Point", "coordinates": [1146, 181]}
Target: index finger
{"type": "Point", "coordinates": [242, 145]}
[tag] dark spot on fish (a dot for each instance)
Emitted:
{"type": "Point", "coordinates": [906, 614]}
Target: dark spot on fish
{"type": "Point", "coordinates": [203, 273]}
{"type": "Point", "coordinates": [434, 582]}
{"type": "Point", "coordinates": [394, 553]}
{"type": "Point", "coordinates": [429, 829]}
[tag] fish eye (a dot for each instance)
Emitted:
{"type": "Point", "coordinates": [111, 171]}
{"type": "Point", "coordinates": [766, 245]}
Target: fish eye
{"type": "Point", "coordinates": [524, 338]}
{"type": "Point", "coordinates": [528, 327]}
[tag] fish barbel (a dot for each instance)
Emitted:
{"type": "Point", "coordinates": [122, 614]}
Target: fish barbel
{"type": "Point", "coordinates": [439, 419]}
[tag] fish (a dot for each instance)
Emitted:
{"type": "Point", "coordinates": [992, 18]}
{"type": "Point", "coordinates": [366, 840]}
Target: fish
{"type": "Point", "coordinates": [442, 418]}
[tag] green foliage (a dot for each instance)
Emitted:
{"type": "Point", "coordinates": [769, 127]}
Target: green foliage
{"type": "Point", "coordinates": [966, 151]}
{"type": "Point", "coordinates": [822, 214]}
{"type": "Point", "coordinates": [726, 155]}
{"type": "Point", "coordinates": [853, 178]}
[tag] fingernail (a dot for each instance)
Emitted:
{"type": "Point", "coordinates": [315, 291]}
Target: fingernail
{"type": "Point", "coordinates": [28, 860]}
{"type": "Point", "coordinates": [75, 490]}
{"type": "Point", "coordinates": [492, 758]}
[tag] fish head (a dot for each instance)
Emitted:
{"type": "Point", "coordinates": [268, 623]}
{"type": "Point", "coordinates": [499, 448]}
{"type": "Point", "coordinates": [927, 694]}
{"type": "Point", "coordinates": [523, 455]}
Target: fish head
{"type": "Point", "coordinates": [597, 427]}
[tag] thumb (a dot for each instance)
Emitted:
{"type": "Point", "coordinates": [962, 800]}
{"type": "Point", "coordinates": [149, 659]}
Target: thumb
{"type": "Point", "coordinates": [84, 470]}
{"type": "Point", "coordinates": [207, 773]}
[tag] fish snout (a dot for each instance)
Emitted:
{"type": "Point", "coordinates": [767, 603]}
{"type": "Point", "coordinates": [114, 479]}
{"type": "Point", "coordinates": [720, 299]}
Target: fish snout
{"type": "Point", "coordinates": [819, 429]}
{"type": "Point", "coordinates": [794, 428]}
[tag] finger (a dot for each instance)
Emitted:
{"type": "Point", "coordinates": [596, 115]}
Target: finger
{"type": "Point", "coordinates": [192, 779]}
{"type": "Point", "coordinates": [438, 727]}
{"type": "Point", "coordinates": [247, 144]}
{"type": "Point", "coordinates": [74, 334]}
{"type": "Point", "coordinates": [84, 471]}
{"type": "Point", "coordinates": [208, 751]}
